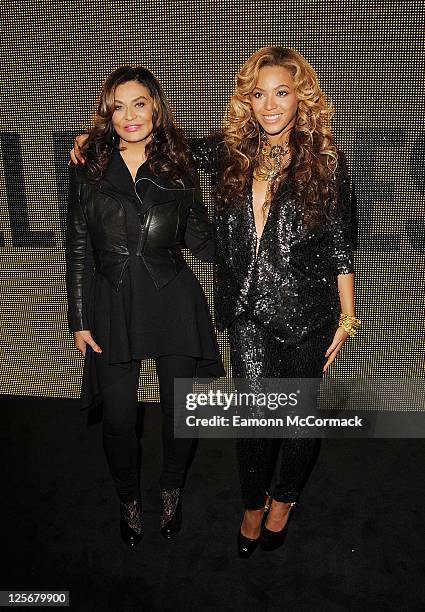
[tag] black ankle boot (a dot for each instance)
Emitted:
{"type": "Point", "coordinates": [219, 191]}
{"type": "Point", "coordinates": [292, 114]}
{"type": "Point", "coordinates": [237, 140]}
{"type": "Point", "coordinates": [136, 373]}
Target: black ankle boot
{"type": "Point", "coordinates": [131, 522]}
{"type": "Point", "coordinates": [171, 514]}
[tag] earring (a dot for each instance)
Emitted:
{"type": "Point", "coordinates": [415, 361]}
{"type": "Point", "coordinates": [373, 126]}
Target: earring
{"type": "Point", "coordinates": [259, 140]}
{"type": "Point", "coordinates": [115, 138]}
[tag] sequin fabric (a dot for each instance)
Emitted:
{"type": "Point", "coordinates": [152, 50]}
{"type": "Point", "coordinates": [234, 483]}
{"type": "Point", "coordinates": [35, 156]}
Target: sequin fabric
{"type": "Point", "coordinates": [170, 499]}
{"type": "Point", "coordinates": [290, 286]}
{"type": "Point", "coordinates": [281, 307]}
{"type": "Point", "coordinates": [257, 354]}
{"type": "Point", "coordinates": [131, 514]}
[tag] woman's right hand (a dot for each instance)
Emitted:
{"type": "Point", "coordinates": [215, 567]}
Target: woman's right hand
{"type": "Point", "coordinates": [82, 339]}
{"type": "Point", "coordinates": [75, 153]}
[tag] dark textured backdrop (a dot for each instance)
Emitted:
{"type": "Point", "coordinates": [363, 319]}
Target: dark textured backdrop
{"type": "Point", "coordinates": [54, 57]}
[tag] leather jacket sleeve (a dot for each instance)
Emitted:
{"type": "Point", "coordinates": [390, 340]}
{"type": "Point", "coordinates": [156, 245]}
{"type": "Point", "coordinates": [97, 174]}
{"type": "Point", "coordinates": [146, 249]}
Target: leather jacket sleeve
{"type": "Point", "coordinates": [341, 231]}
{"type": "Point", "coordinates": [198, 235]}
{"type": "Point", "coordinates": [78, 256]}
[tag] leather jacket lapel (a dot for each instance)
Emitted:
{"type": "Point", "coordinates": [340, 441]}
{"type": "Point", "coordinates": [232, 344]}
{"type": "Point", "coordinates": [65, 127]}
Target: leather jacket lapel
{"type": "Point", "coordinates": [151, 194]}
{"type": "Point", "coordinates": [153, 190]}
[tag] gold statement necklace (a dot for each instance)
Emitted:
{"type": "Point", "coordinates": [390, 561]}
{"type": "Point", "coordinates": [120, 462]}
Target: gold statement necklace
{"type": "Point", "coordinates": [269, 165]}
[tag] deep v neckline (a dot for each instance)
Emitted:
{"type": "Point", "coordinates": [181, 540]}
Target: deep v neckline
{"type": "Point", "coordinates": [252, 216]}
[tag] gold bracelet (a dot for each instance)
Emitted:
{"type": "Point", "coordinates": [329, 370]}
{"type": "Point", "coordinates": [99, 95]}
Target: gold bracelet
{"type": "Point", "coordinates": [349, 324]}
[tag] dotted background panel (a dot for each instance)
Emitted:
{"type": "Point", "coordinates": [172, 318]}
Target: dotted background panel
{"type": "Point", "coordinates": [54, 58]}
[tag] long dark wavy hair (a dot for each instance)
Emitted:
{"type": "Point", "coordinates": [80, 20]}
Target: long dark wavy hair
{"type": "Point", "coordinates": [167, 152]}
{"type": "Point", "coordinates": [313, 153]}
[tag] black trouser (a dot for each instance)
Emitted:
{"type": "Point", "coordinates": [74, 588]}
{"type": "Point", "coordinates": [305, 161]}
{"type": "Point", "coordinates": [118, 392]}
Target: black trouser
{"type": "Point", "coordinates": [119, 391]}
{"type": "Point", "coordinates": [255, 353]}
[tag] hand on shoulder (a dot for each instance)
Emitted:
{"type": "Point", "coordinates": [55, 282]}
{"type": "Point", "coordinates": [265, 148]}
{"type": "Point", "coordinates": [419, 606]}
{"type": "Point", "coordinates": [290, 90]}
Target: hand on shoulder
{"type": "Point", "coordinates": [76, 156]}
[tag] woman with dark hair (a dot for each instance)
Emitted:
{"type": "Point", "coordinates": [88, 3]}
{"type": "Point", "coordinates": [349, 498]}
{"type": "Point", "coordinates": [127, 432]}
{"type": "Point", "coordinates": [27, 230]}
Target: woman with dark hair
{"type": "Point", "coordinates": [131, 295]}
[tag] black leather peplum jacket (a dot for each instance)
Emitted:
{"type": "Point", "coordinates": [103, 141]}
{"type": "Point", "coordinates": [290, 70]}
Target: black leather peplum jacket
{"type": "Point", "coordinates": [290, 286]}
{"type": "Point", "coordinates": [172, 216]}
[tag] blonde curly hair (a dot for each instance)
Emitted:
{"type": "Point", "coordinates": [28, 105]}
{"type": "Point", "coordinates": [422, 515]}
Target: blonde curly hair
{"type": "Point", "coordinates": [313, 154]}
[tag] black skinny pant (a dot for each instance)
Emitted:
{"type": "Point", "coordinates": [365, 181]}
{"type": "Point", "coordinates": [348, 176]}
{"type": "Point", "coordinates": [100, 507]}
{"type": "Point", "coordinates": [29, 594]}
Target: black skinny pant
{"type": "Point", "coordinates": [119, 391]}
{"type": "Point", "coordinates": [255, 353]}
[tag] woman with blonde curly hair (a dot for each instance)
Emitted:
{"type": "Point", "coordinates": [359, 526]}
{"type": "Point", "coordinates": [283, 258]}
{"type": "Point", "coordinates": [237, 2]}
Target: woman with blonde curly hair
{"type": "Point", "coordinates": [284, 265]}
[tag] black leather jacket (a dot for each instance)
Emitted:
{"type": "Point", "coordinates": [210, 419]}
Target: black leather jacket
{"type": "Point", "coordinates": [171, 217]}
{"type": "Point", "coordinates": [290, 286]}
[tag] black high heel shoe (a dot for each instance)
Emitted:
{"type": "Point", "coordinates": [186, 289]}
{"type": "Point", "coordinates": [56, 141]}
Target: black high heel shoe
{"type": "Point", "coordinates": [270, 540]}
{"type": "Point", "coordinates": [246, 546]}
{"type": "Point", "coordinates": [171, 515]}
{"type": "Point", "coordinates": [131, 522]}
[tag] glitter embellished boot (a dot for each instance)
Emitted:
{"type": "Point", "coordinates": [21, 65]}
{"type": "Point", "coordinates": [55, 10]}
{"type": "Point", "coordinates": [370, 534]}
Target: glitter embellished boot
{"type": "Point", "coordinates": [171, 516]}
{"type": "Point", "coordinates": [131, 522]}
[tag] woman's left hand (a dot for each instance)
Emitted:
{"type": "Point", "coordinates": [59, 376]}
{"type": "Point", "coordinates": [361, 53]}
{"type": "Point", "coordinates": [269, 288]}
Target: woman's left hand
{"type": "Point", "coordinates": [337, 342]}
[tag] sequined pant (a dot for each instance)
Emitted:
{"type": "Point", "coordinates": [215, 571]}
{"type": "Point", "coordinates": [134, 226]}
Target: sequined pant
{"type": "Point", "coordinates": [255, 353]}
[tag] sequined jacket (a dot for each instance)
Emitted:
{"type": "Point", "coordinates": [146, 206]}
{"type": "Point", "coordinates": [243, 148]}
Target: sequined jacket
{"type": "Point", "coordinates": [290, 286]}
